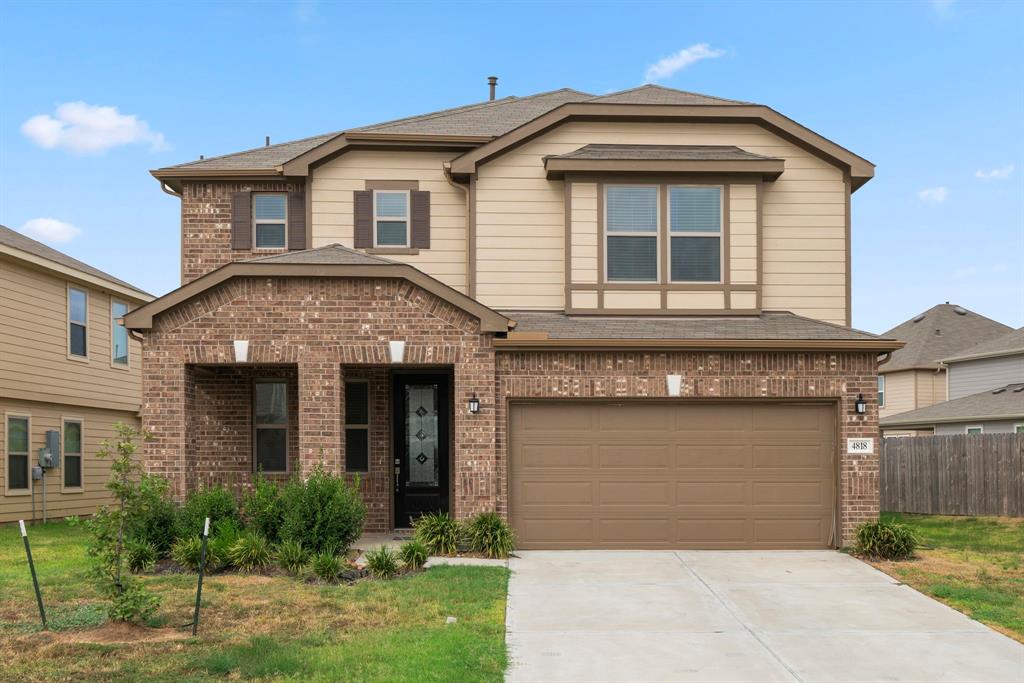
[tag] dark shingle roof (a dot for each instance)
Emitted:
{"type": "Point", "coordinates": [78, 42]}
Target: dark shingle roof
{"type": "Point", "coordinates": [1005, 344]}
{"type": "Point", "coordinates": [774, 325]}
{"type": "Point", "coordinates": [1004, 403]}
{"type": "Point", "coordinates": [659, 94]}
{"type": "Point", "coordinates": [16, 240]}
{"type": "Point", "coordinates": [939, 333]}
{"type": "Point", "coordinates": [271, 156]}
{"type": "Point", "coordinates": [667, 152]}
{"type": "Point", "coordinates": [330, 255]}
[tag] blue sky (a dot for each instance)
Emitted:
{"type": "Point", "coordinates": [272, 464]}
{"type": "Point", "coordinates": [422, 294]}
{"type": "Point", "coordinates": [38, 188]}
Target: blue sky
{"type": "Point", "coordinates": [929, 91]}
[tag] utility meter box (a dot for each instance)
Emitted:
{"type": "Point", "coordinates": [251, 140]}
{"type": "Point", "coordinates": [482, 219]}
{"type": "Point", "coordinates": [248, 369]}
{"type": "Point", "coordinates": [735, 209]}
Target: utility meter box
{"type": "Point", "coordinates": [49, 455]}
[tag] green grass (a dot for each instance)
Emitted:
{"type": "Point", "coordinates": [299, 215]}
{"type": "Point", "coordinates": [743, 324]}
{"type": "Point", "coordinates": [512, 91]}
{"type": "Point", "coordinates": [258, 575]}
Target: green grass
{"type": "Point", "coordinates": [974, 564]}
{"type": "Point", "coordinates": [253, 627]}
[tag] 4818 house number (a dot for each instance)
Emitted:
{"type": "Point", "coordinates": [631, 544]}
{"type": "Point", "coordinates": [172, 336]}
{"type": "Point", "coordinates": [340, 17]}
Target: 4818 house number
{"type": "Point", "coordinates": [860, 445]}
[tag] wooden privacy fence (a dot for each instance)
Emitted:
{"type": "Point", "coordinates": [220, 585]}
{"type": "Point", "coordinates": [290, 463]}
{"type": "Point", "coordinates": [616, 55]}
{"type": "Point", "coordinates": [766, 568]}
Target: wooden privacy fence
{"type": "Point", "coordinates": [977, 474]}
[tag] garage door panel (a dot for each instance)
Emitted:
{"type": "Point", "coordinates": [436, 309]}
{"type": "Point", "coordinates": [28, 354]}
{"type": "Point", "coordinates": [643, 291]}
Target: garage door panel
{"type": "Point", "coordinates": [553, 529]}
{"type": "Point", "coordinates": [633, 456]}
{"type": "Point", "coordinates": [712, 419]}
{"type": "Point", "coordinates": [734, 456]}
{"type": "Point", "coordinates": [788, 418]}
{"type": "Point", "coordinates": [711, 493]}
{"type": "Point", "coordinates": [556, 493]}
{"type": "Point", "coordinates": [618, 531]}
{"type": "Point", "coordinates": [720, 531]}
{"type": "Point", "coordinates": [788, 493]}
{"type": "Point", "coordinates": [791, 456]}
{"type": "Point", "coordinates": [546, 456]}
{"type": "Point", "coordinates": [788, 531]}
{"type": "Point", "coordinates": [624, 417]}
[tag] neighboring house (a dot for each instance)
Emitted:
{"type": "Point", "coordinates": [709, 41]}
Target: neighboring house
{"type": "Point", "coordinates": [65, 365]}
{"type": "Point", "coordinates": [986, 392]}
{"type": "Point", "coordinates": [915, 377]}
{"type": "Point", "coordinates": [622, 321]}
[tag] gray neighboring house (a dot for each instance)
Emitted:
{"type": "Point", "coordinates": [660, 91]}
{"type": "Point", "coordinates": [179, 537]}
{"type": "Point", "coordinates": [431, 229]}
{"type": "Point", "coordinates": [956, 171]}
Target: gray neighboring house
{"type": "Point", "coordinates": [986, 392]}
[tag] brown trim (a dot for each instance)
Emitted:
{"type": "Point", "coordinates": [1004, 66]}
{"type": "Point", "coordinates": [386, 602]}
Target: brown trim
{"type": "Point", "coordinates": [567, 244]}
{"type": "Point", "coordinates": [408, 251]}
{"type": "Point", "coordinates": [471, 239]}
{"type": "Point", "coordinates": [329, 149]}
{"type": "Point", "coordinates": [490, 320]}
{"type": "Point", "coordinates": [759, 245]}
{"type": "Point", "coordinates": [309, 213]}
{"type": "Point", "coordinates": [768, 169]}
{"type": "Point", "coordinates": [392, 185]}
{"type": "Point", "coordinates": [759, 344]}
{"type": "Point", "coordinates": [668, 286]}
{"type": "Point", "coordinates": [600, 247]}
{"type": "Point", "coordinates": [849, 250]}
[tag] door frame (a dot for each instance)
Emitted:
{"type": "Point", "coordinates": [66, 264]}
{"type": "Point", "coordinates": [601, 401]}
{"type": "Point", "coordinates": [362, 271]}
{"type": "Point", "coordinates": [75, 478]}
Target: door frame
{"type": "Point", "coordinates": [398, 461]}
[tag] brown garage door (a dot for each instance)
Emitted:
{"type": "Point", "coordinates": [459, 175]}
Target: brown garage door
{"type": "Point", "coordinates": [672, 475]}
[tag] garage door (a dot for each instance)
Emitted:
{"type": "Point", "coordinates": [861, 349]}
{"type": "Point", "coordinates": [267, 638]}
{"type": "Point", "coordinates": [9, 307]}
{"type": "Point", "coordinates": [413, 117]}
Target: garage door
{"type": "Point", "coordinates": [672, 475]}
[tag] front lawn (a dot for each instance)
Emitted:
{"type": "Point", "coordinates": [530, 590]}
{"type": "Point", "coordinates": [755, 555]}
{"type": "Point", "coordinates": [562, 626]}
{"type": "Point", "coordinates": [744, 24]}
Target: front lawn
{"type": "Point", "coordinates": [974, 564]}
{"type": "Point", "coordinates": [253, 627]}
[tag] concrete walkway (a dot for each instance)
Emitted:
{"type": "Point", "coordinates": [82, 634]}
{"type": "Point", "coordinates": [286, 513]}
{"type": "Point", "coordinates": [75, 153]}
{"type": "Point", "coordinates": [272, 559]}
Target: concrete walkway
{"type": "Point", "coordinates": [737, 616]}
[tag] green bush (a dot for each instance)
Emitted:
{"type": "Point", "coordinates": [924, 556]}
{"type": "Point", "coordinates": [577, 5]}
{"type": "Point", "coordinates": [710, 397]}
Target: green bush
{"type": "Point", "coordinates": [216, 502]}
{"type": "Point", "coordinates": [382, 563]}
{"type": "Point", "coordinates": [438, 532]}
{"type": "Point", "coordinates": [292, 557]}
{"type": "Point", "coordinates": [140, 556]}
{"type": "Point", "coordinates": [132, 603]}
{"type": "Point", "coordinates": [251, 552]}
{"type": "Point", "coordinates": [414, 554]}
{"type": "Point", "coordinates": [491, 535]}
{"type": "Point", "coordinates": [187, 551]}
{"type": "Point", "coordinates": [154, 516]}
{"type": "Point", "coordinates": [327, 566]}
{"type": "Point", "coordinates": [324, 511]}
{"type": "Point", "coordinates": [223, 538]}
{"type": "Point", "coordinates": [263, 508]}
{"type": "Point", "coordinates": [886, 540]}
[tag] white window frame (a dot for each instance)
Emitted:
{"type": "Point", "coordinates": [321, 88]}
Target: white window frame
{"type": "Point", "coordinates": [1018, 428]}
{"type": "Point", "coordinates": [720, 234]}
{"type": "Point", "coordinates": [113, 330]}
{"type": "Point", "coordinates": [980, 428]}
{"type": "Point", "coordinates": [256, 426]}
{"type": "Point", "coordinates": [85, 324]}
{"type": "Point", "coordinates": [64, 419]}
{"type": "Point", "coordinates": [364, 427]}
{"type": "Point", "coordinates": [256, 222]}
{"type": "Point", "coordinates": [881, 391]}
{"type": "Point", "coordinates": [7, 474]}
{"type": "Point", "coordinates": [386, 219]}
{"type": "Point", "coordinates": [656, 234]}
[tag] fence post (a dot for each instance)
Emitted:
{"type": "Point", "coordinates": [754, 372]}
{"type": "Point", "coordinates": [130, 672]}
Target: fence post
{"type": "Point", "coordinates": [32, 569]}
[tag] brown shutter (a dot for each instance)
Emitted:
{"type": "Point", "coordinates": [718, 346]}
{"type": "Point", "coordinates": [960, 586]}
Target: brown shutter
{"type": "Point", "coordinates": [296, 220]}
{"type": "Point", "coordinates": [241, 220]}
{"type": "Point", "coordinates": [420, 219]}
{"type": "Point", "coordinates": [363, 209]}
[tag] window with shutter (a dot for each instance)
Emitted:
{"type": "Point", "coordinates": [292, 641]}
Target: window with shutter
{"type": "Point", "coordinates": [270, 224]}
{"type": "Point", "coordinates": [390, 218]}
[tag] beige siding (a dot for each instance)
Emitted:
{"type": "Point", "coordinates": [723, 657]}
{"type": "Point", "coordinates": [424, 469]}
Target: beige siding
{"type": "Point", "coordinates": [899, 393]}
{"type": "Point", "coordinates": [584, 237]}
{"type": "Point", "coordinates": [34, 363]}
{"type": "Point", "coordinates": [334, 182]}
{"type": "Point", "coordinates": [97, 425]}
{"type": "Point", "coordinates": [743, 234]}
{"type": "Point", "coordinates": [931, 387]}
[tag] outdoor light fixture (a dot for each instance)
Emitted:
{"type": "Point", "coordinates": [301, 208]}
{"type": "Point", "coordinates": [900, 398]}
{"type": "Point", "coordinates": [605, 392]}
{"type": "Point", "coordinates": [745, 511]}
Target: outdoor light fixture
{"type": "Point", "coordinates": [241, 350]}
{"type": "Point", "coordinates": [474, 405]}
{"type": "Point", "coordinates": [397, 351]}
{"type": "Point", "coordinates": [675, 384]}
{"type": "Point", "coordinates": [860, 405]}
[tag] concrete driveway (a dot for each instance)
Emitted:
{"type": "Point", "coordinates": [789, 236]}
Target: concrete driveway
{"type": "Point", "coordinates": [737, 616]}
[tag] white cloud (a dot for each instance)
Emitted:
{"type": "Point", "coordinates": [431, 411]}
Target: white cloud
{"type": "Point", "coordinates": [942, 8]}
{"type": "Point", "coordinates": [1001, 173]}
{"type": "Point", "coordinates": [667, 66]}
{"type": "Point", "coordinates": [85, 128]}
{"type": "Point", "coordinates": [933, 195]}
{"type": "Point", "coordinates": [50, 230]}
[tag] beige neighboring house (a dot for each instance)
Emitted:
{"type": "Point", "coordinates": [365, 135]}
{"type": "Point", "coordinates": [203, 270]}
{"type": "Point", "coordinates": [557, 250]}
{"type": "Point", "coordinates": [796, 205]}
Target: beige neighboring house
{"type": "Point", "coordinates": [65, 365]}
{"type": "Point", "coordinates": [915, 376]}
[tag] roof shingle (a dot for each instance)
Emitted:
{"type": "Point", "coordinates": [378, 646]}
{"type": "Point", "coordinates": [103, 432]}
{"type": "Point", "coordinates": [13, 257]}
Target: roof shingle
{"type": "Point", "coordinates": [939, 333]}
{"type": "Point", "coordinates": [666, 152]}
{"type": "Point", "coordinates": [1004, 403]}
{"type": "Point", "coordinates": [1004, 344]}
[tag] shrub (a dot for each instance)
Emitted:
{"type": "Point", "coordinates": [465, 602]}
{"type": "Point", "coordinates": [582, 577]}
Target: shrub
{"type": "Point", "coordinates": [216, 502]}
{"type": "Point", "coordinates": [186, 552]}
{"type": "Point", "coordinates": [141, 556]}
{"type": "Point", "coordinates": [438, 532]}
{"type": "Point", "coordinates": [154, 515]}
{"type": "Point", "coordinates": [327, 565]}
{"type": "Point", "coordinates": [218, 551]}
{"type": "Point", "coordinates": [489, 534]}
{"type": "Point", "coordinates": [132, 602]}
{"type": "Point", "coordinates": [886, 540]}
{"type": "Point", "coordinates": [414, 554]}
{"type": "Point", "coordinates": [324, 511]}
{"type": "Point", "coordinates": [382, 563]}
{"type": "Point", "coordinates": [292, 557]}
{"type": "Point", "coordinates": [251, 552]}
{"type": "Point", "coordinates": [263, 509]}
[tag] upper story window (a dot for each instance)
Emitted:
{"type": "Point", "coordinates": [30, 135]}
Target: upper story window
{"type": "Point", "coordinates": [118, 334]}
{"type": "Point", "coordinates": [631, 223]}
{"type": "Point", "coordinates": [390, 218]}
{"type": "Point", "coordinates": [881, 391]}
{"type": "Point", "coordinates": [78, 314]}
{"type": "Point", "coordinates": [695, 228]}
{"type": "Point", "coordinates": [269, 211]}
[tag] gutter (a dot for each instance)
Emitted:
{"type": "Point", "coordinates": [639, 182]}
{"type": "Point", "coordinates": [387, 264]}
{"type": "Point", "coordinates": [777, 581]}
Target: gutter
{"type": "Point", "coordinates": [532, 342]}
{"type": "Point", "coordinates": [446, 168]}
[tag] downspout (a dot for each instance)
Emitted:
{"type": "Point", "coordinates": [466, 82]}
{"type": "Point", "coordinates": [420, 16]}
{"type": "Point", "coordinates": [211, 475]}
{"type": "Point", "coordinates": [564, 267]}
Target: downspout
{"type": "Point", "coordinates": [447, 169]}
{"type": "Point", "coordinates": [181, 229]}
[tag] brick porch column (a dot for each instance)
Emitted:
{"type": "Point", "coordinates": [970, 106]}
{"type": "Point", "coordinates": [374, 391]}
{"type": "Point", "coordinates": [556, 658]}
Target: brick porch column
{"type": "Point", "coordinates": [475, 475]}
{"type": "Point", "coordinates": [167, 401]}
{"type": "Point", "coordinates": [320, 409]}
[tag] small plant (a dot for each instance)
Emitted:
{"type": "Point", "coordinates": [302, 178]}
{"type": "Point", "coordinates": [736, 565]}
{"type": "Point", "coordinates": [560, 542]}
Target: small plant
{"type": "Point", "coordinates": [141, 556]}
{"type": "Point", "coordinates": [154, 514]}
{"type": "Point", "coordinates": [382, 563]}
{"type": "Point", "coordinates": [215, 502]}
{"type": "Point", "coordinates": [886, 540]}
{"type": "Point", "coordinates": [292, 557]}
{"type": "Point", "coordinates": [491, 535]}
{"type": "Point", "coordinates": [414, 554]}
{"type": "Point", "coordinates": [327, 566]}
{"type": "Point", "coordinates": [438, 532]}
{"type": "Point", "coordinates": [323, 511]}
{"type": "Point", "coordinates": [263, 508]}
{"type": "Point", "coordinates": [218, 552]}
{"type": "Point", "coordinates": [132, 602]}
{"type": "Point", "coordinates": [187, 551]}
{"type": "Point", "coordinates": [251, 552]}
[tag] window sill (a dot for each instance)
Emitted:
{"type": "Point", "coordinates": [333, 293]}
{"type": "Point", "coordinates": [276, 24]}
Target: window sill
{"type": "Point", "coordinates": [78, 359]}
{"type": "Point", "coordinates": [408, 251]}
{"type": "Point", "coordinates": [72, 489]}
{"type": "Point", "coordinates": [18, 492]}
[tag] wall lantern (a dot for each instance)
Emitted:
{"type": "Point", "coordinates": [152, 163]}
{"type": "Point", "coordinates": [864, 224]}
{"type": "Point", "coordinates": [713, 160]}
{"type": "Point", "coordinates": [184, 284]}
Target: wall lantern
{"type": "Point", "coordinates": [397, 351]}
{"type": "Point", "coordinates": [675, 384]}
{"type": "Point", "coordinates": [860, 405]}
{"type": "Point", "coordinates": [474, 405]}
{"type": "Point", "coordinates": [241, 350]}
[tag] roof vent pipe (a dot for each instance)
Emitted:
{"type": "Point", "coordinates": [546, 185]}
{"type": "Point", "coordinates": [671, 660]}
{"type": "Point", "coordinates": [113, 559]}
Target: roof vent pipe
{"type": "Point", "coordinates": [267, 143]}
{"type": "Point", "coordinates": [492, 81]}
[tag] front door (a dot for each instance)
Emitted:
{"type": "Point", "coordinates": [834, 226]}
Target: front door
{"type": "Point", "coordinates": [420, 420]}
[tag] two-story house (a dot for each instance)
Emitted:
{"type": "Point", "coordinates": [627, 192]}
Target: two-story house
{"type": "Point", "coordinates": [622, 321]}
{"type": "Point", "coordinates": [66, 366]}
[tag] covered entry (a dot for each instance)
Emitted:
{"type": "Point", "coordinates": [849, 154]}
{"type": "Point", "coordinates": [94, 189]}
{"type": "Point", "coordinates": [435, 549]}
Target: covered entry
{"type": "Point", "coordinates": [657, 474]}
